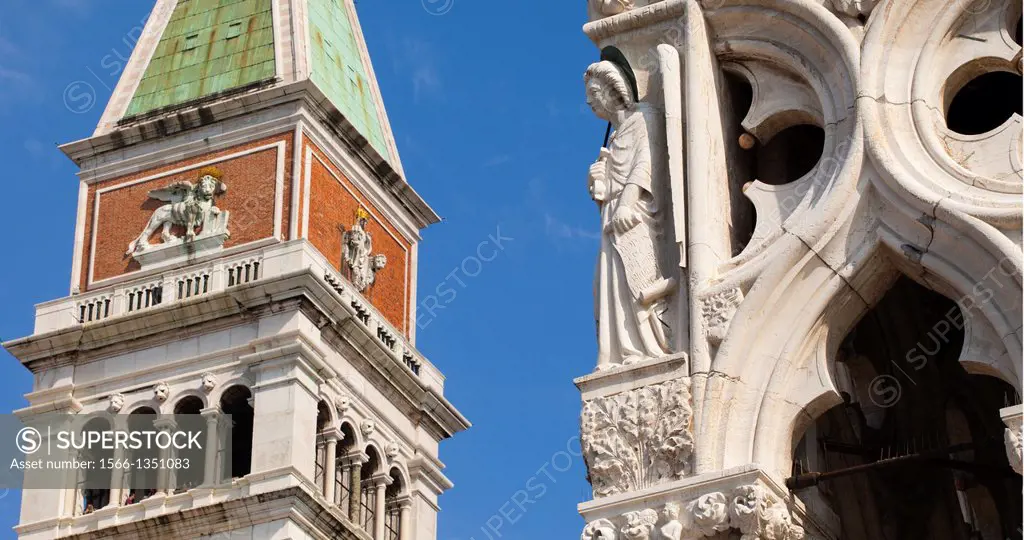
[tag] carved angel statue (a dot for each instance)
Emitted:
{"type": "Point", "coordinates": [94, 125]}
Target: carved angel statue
{"type": "Point", "coordinates": [356, 249]}
{"type": "Point", "coordinates": [630, 287]}
{"type": "Point", "coordinates": [189, 206]}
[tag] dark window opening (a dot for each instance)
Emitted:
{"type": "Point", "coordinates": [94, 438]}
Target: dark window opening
{"type": "Point", "coordinates": [94, 483]}
{"type": "Point", "coordinates": [985, 103]}
{"type": "Point", "coordinates": [790, 154]}
{"type": "Point", "coordinates": [235, 402]}
{"type": "Point", "coordinates": [916, 448]}
{"type": "Point", "coordinates": [191, 477]}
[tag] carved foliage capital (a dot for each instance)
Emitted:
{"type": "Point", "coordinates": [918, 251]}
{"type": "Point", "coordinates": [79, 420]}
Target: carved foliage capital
{"type": "Point", "coordinates": [638, 438]}
{"type": "Point", "coordinates": [718, 310]}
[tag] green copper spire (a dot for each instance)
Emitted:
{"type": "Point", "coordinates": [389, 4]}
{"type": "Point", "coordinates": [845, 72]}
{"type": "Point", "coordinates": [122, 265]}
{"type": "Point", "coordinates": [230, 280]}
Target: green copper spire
{"type": "Point", "coordinates": [337, 68]}
{"type": "Point", "coordinates": [209, 46]}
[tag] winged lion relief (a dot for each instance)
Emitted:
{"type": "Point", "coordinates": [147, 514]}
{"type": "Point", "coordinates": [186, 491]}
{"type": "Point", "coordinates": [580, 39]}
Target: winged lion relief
{"type": "Point", "coordinates": [188, 206]}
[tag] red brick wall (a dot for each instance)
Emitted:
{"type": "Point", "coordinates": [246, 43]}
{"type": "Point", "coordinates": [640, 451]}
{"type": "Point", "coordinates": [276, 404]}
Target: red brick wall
{"type": "Point", "coordinates": [333, 203]}
{"type": "Point", "coordinates": [124, 212]}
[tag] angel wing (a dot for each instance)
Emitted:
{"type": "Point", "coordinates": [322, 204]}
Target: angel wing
{"type": "Point", "coordinates": [173, 193]}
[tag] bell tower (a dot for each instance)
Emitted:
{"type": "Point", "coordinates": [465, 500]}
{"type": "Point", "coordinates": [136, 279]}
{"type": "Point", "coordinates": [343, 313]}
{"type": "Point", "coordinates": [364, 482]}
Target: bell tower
{"type": "Point", "coordinates": [246, 247]}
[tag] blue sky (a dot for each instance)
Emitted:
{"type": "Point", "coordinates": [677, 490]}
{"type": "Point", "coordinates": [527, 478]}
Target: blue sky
{"type": "Point", "coordinates": [486, 103]}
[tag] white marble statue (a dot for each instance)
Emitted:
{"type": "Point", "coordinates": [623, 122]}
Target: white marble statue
{"type": "Point", "coordinates": [356, 248]}
{"type": "Point", "coordinates": [628, 285]}
{"type": "Point", "coordinates": [189, 206]}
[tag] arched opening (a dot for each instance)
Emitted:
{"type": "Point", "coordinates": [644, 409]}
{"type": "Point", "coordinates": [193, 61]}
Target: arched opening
{"type": "Point", "coordinates": [790, 154]}
{"type": "Point", "coordinates": [235, 402]}
{"type": "Point", "coordinates": [368, 489]}
{"type": "Point", "coordinates": [94, 483]}
{"type": "Point", "coordinates": [141, 477]}
{"type": "Point", "coordinates": [915, 450]}
{"type": "Point", "coordinates": [392, 505]}
{"type": "Point", "coordinates": [738, 97]}
{"type": "Point", "coordinates": [323, 422]}
{"type": "Point", "coordinates": [985, 103]}
{"type": "Point", "coordinates": [186, 478]}
{"type": "Point", "coordinates": [343, 472]}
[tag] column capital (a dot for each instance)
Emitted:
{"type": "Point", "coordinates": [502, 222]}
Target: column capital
{"type": "Point", "coordinates": [380, 480]}
{"type": "Point", "coordinates": [331, 434]}
{"type": "Point", "coordinates": [165, 423]}
{"type": "Point", "coordinates": [210, 412]}
{"type": "Point", "coordinates": [355, 458]}
{"type": "Point", "coordinates": [402, 502]}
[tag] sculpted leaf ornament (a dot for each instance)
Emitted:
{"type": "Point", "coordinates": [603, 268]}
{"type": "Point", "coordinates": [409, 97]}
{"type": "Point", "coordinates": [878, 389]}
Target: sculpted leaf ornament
{"type": "Point", "coordinates": [638, 438]}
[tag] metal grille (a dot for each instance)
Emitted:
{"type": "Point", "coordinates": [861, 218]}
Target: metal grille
{"type": "Point", "coordinates": [393, 525]}
{"type": "Point", "coordinates": [366, 502]}
{"type": "Point", "coordinates": [342, 491]}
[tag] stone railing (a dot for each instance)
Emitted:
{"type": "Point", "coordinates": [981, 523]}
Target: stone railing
{"type": "Point", "coordinates": [129, 298]}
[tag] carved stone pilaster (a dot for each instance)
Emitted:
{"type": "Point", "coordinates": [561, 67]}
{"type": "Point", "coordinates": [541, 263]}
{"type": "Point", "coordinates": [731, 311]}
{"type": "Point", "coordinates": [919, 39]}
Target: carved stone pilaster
{"type": "Point", "coordinates": [638, 438]}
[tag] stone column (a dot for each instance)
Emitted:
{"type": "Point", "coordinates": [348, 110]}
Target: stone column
{"type": "Point", "coordinates": [331, 438]}
{"type": "Point", "coordinates": [355, 485]}
{"type": "Point", "coordinates": [405, 518]}
{"type": "Point", "coordinates": [163, 480]}
{"type": "Point", "coordinates": [117, 494]}
{"type": "Point", "coordinates": [212, 416]}
{"type": "Point", "coordinates": [380, 485]}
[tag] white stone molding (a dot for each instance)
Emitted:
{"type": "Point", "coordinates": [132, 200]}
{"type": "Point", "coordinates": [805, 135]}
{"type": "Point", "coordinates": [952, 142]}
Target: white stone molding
{"type": "Point", "coordinates": [638, 438]}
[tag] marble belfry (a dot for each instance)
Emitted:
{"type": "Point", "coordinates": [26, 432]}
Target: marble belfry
{"type": "Point", "coordinates": [808, 294]}
{"type": "Point", "coordinates": [246, 245]}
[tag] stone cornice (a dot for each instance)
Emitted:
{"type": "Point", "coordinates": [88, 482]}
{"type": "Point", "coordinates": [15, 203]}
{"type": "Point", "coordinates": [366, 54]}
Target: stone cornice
{"type": "Point", "coordinates": [299, 291]}
{"type": "Point", "coordinates": [296, 504]}
{"type": "Point", "coordinates": [160, 125]}
{"type": "Point", "coordinates": [635, 19]}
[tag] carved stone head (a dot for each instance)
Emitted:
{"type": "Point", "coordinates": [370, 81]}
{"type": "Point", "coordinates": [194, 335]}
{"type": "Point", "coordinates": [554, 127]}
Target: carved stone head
{"type": "Point", "coordinates": [116, 403]}
{"type": "Point", "coordinates": [392, 450]}
{"type": "Point", "coordinates": [600, 529]}
{"type": "Point", "coordinates": [209, 382]}
{"type": "Point", "coordinates": [367, 427]}
{"type": "Point", "coordinates": [161, 392]}
{"type": "Point", "coordinates": [342, 403]}
{"type": "Point", "coordinates": [608, 91]}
